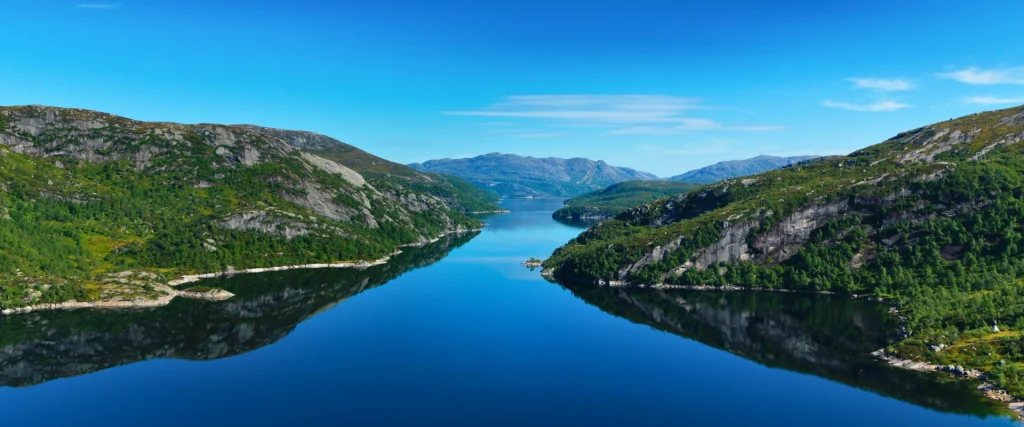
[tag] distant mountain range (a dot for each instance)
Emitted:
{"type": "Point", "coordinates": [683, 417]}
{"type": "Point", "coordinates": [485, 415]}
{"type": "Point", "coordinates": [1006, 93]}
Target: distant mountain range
{"type": "Point", "coordinates": [510, 175]}
{"type": "Point", "coordinates": [735, 168]}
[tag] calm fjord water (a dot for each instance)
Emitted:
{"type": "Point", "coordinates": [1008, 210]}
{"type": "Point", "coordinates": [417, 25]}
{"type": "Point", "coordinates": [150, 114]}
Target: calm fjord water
{"type": "Point", "coordinates": [458, 333]}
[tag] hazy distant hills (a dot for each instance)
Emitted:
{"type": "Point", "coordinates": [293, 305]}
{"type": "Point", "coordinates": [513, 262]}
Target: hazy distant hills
{"type": "Point", "coordinates": [735, 168]}
{"type": "Point", "coordinates": [516, 176]}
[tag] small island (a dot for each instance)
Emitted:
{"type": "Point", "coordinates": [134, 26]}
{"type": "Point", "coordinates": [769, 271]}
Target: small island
{"type": "Point", "coordinates": [533, 263]}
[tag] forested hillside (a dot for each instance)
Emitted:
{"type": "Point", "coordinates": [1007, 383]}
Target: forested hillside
{"type": "Point", "coordinates": [615, 199]}
{"type": "Point", "coordinates": [86, 197]}
{"type": "Point", "coordinates": [930, 219]}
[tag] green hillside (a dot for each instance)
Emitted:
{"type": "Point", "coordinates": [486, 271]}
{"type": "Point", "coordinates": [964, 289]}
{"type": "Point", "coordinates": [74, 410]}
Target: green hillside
{"type": "Point", "coordinates": [930, 219]}
{"type": "Point", "coordinates": [615, 199]}
{"type": "Point", "coordinates": [99, 207]}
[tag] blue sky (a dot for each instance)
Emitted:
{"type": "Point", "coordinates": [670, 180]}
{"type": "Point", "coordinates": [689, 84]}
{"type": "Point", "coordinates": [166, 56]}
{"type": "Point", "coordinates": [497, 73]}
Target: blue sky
{"type": "Point", "coordinates": [661, 86]}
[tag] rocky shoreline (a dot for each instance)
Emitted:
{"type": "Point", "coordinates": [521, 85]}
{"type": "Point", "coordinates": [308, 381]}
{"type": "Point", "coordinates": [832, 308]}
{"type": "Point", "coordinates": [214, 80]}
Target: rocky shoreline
{"type": "Point", "coordinates": [167, 293]}
{"type": "Point", "coordinates": [988, 389]}
{"type": "Point", "coordinates": [232, 272]}
{"type": "Point", "coordinates": [423, 243]}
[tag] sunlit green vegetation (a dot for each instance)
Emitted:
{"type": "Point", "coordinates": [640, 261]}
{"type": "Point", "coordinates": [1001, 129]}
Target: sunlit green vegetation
{"type": "Point", "coordinates": [941, 239]}
{"type": "Point", "coordinates": [617, 198]}
{"type": "Point", "coordinates": [65, 224]}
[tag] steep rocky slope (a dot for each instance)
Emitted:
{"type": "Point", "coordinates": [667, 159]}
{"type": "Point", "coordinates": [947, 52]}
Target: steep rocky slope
{"type": "Point", "coordinates": [930, 219]}
{"type": "Point", "coordinates": [84, 195]}
{"type": "Point", "coordinates": [387, 175]}
{"type": "Point", "coordinates": [516, 176]}
{"type": "Point", "coordinates": [768, 218]}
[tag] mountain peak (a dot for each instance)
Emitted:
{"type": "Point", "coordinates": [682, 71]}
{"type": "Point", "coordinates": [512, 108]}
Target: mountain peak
{"type": "Point", "coordinates": [521, 176]}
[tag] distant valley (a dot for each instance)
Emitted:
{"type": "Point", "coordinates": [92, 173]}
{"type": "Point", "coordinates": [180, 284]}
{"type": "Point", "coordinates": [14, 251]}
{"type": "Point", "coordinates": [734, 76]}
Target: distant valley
{"type": "Point", "coordinates": [510, 175]}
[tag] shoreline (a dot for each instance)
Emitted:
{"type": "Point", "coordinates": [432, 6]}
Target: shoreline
{"type": "Point", "coordinates": [987, 389]}
{"type": "Point", "coordinates": [231, 272]}
{"type": "Point", "coordinates": [169, 292]}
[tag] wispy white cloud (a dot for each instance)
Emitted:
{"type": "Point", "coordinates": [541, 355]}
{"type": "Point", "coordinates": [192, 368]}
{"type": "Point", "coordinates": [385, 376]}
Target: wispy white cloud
{"type": "Point", "coordinates": [99, 5]}
{"type": "Point", "coordinates": [689, 125]}
{"type": "Point", "coordinates": [884, 85]}
{"type": "Point", "coordinates": [541, 135]}
{"type": "Point", "coordinates": [994, 76]}
{"type": "Point", "coordinates": [876, 107]}
{"type": "Point", "coordinates": [714, 146]}
{"type": "Point", "coordinates": [599, 108]}
{"type": "Point", "coordinates": [993, 100]}
{"type": "Point", "coordinates": [645, 114]}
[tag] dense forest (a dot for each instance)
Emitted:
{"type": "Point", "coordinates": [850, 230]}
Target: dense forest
{"type": "Point", "coordinates": [85, 196]}
{"type": "Point", "coordinates": [930, 220]}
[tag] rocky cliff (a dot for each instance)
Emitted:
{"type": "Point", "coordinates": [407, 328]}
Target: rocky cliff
{"type": "Point", "coordinates": [87, 193]}
{"type": "Point", "coordinates": [768, 218]}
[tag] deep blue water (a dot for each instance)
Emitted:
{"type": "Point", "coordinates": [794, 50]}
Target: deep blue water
{"type": "Point", "coordinates": [459, 333]}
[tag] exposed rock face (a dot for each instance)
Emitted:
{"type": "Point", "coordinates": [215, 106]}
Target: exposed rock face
{"type": "Point", "coordinates": [276, 223]}
{"type": "Point", "coordinates": [99, 137]}
{"type": "Point", "coordinates": [302, 140]}
{"type": "Point", "coordinates": [331, 167]}
{"type": "Point", "coordinates": [769, 218]}
{"type": "Point", "coordinates": [779, 243]}
{"type": "Point", "coordinates": [786, 237]}
{"type": "Point", "coordinates": [76, 135]}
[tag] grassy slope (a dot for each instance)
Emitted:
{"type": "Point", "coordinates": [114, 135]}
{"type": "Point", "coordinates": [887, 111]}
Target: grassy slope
{"type": "Point", "coordinates": [941, 237]}
{"type": "Point", "coordinates": [615, 199]}
{"type": "Point", "coordinates": [67, 224]}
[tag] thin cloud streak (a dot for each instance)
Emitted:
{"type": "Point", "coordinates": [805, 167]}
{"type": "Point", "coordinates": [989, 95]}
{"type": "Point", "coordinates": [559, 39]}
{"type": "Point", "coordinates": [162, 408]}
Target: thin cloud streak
{"type": "Point", "coordinates": [994, 76]}
{"type": "Point", "coordinates": [874, 108]}
{"type": "Point", "coordinates": [694, 125]}
{"type": "Point", "coordinates": [884, 85]}
{"type": "Point", "coordinates": [640, 111]}
{"type": "Point", "coordinates": [541, 135]}
{"type": "Point", "coordinates": [989, 100]}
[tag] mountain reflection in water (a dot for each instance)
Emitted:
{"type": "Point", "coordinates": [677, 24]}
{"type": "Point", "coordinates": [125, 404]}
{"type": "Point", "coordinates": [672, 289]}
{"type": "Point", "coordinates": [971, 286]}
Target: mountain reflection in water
{"type": "Point", "coordinates": [826, 336]}
{"type": "Point", "coordinates": [41, 346]}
